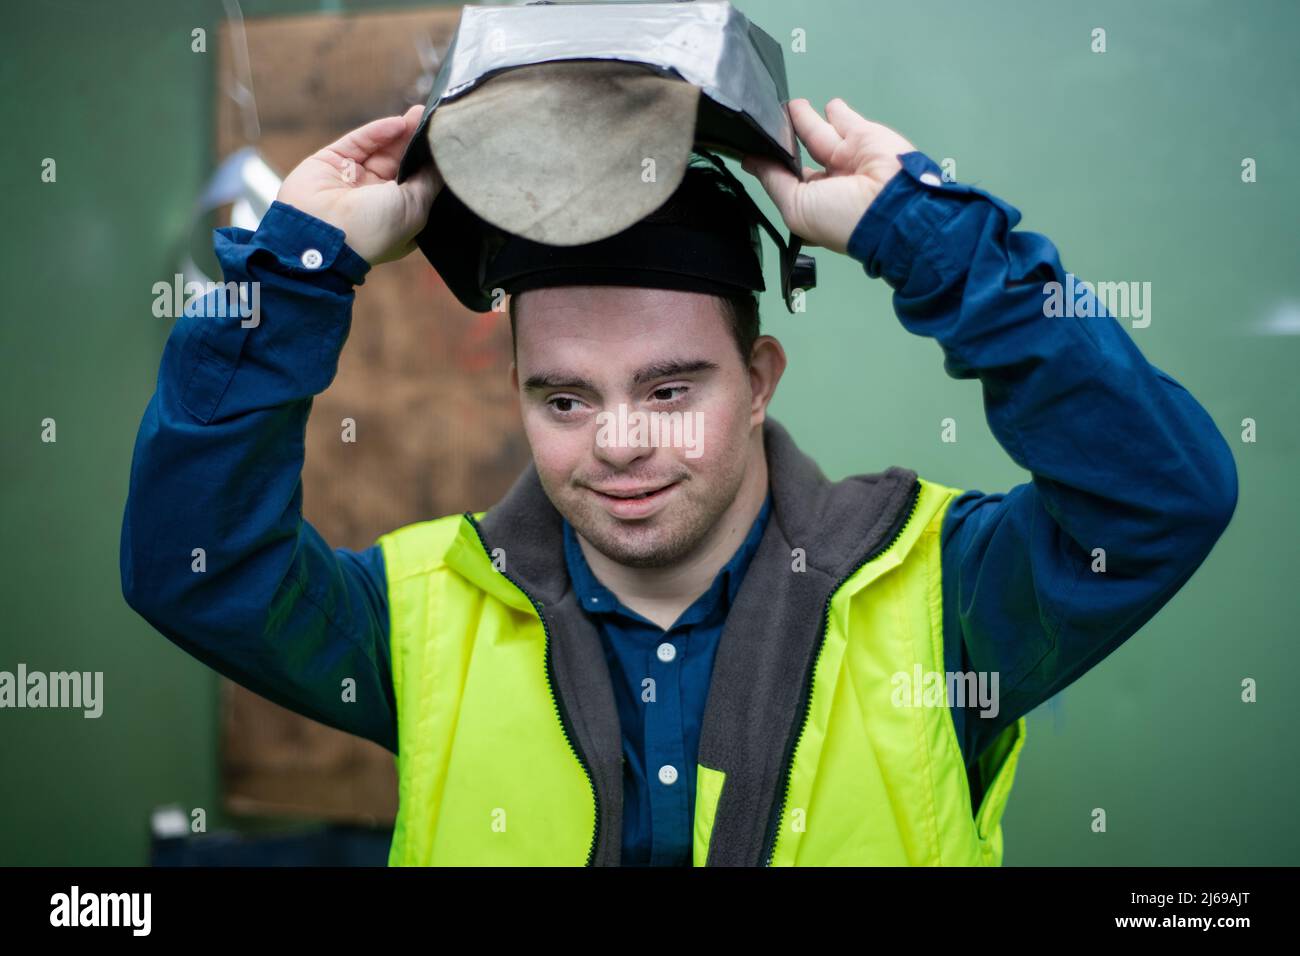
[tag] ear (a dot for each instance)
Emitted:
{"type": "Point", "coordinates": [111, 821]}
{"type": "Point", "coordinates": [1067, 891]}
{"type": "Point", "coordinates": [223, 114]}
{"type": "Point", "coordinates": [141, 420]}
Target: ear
{"type": "Point", "coordinates": [767, 364]}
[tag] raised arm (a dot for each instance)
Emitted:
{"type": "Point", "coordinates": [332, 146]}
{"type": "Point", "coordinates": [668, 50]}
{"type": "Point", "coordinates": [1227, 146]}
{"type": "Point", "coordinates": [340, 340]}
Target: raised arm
{"type": "Point", "coordinates": [215, 552]}
{"type": "Point", "coordinates": [1132, 482]}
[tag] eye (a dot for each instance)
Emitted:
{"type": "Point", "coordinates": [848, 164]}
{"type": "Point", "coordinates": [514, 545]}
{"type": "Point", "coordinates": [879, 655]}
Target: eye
{"type": "Point", "coordinates": [659, 394]}
{"type": "Point", "coordinates": [563, 404]}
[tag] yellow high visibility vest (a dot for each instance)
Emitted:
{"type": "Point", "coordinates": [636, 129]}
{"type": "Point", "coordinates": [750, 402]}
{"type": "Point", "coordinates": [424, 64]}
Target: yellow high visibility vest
{"type": "Point", "coordinates": [488, 773]}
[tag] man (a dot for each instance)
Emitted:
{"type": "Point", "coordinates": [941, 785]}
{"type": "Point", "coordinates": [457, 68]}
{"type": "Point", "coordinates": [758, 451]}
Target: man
{"type": "Point", "coordinates": [665, 656]}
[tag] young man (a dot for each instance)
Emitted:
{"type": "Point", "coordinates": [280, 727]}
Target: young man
{"type": "Point", "coordinates": [666, 655]}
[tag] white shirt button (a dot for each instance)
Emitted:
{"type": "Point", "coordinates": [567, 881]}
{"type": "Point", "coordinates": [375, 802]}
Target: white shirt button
{"type": "Point", "coordinates": [312, 259]}
{"type": "Point", "coordinates": [668, 774]}
{"type": "Point", "coordinates": [930, 179]}
{"type": "Point", "coordinates": [666, 652]}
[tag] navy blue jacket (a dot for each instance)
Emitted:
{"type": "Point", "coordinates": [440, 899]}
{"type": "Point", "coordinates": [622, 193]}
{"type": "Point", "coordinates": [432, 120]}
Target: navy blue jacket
{"type": "Point", "coordinates": [1121, 456]}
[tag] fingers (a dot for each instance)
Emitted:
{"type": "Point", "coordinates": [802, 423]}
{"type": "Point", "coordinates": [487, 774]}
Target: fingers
{"type": "Point", "coordinates": [363, 142]}
{"type": "Point", "coordinates": [877, 136]}
{"type": "Point", "coordinates": [819, 136]}
{"type": "Point", "coordinates": [420, 191]}
{"type": "Point", "coordinates": [412, 116]}
{"type": "Point", "coordinates": [845, 119]}
{"type": "Point", "coordinates": [384, 162]}
{"type": "Point", "coordinates": [777, 181]}
{"type": "Point", "coordinates": [412, 119]}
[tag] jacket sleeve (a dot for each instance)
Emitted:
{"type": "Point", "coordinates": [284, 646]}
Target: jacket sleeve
{"type": "Point", "coordinates": [1127, 468]}
{"type": "Point", "coordinates": [215, 553]}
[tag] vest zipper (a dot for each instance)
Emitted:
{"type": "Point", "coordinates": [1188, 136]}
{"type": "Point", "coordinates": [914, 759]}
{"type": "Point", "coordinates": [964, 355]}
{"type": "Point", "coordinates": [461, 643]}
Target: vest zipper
{"type": "Point", "coordinates": [560, 712]}
{"type": "Point", "coordinates": [792, 743]}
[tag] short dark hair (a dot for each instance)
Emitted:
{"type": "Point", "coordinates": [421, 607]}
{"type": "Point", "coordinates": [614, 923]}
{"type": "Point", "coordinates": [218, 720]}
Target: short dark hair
{"type": "Point", "coordinates": [706, 188]}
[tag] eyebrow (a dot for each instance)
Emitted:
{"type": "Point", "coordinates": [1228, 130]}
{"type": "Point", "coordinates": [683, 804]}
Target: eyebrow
{"type": "Point", "coordinates": [544, 380]}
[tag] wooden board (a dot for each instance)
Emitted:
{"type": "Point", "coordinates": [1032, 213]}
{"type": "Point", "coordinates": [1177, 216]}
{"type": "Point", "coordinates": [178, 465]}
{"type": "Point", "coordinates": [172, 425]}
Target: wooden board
{"type": "Point", "coordinates": [437, 426]}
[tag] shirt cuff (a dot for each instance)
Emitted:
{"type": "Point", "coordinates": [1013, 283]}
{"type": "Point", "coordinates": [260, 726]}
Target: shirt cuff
{"type": "Point", "coordinates": [885, 239]}
{"type": "Point", "coordinates": [302, 245]}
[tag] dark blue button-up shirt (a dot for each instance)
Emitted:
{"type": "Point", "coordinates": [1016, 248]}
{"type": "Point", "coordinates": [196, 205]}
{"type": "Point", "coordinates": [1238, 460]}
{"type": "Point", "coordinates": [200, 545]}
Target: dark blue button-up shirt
{"type": "Point", "coordinates": [660, 697]}
{"type": "Point", "coordinates": [1122, 458]}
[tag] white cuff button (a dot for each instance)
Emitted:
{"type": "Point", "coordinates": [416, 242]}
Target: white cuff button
{"type": "Point", "coordinates": [312, 259]}
{"type": "Point", "coordinates": [930, 179]}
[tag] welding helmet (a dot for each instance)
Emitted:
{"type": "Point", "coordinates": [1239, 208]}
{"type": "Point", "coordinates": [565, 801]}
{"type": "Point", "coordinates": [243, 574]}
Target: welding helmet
{"type": "Point", "coordinates": [560, 131]}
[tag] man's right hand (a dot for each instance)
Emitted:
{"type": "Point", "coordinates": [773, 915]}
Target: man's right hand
{"type": "Point", "coordinates": [352, 185]}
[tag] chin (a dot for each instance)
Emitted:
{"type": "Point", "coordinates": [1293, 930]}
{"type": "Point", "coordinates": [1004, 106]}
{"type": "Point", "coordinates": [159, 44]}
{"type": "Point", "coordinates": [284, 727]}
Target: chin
{"type": "Point", "coordinates": [636, 550]}
{"type": "Point", "coordinates": [655, 542]}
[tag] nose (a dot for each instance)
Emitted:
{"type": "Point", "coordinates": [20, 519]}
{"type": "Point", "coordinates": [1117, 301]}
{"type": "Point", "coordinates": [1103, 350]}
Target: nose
{"type": "Point", "coordinates": [616, 442]}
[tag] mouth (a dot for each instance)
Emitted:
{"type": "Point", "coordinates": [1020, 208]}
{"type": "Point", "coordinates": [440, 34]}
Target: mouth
{"type": "Point", "coordinates": [635, 502]}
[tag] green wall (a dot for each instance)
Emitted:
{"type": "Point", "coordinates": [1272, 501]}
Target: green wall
{"type": "Point", "coordinates": [1128, 160]}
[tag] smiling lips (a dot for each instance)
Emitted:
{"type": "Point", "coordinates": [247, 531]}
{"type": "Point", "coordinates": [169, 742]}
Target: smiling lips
{"type": "Point", "coordinates": [634, 502]}
{"type": "Point", "coordinates": [630, 492]}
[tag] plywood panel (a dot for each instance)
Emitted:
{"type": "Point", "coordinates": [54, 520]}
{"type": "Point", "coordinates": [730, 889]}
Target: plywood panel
{"type": "Point", "coordinates": [437, 427]}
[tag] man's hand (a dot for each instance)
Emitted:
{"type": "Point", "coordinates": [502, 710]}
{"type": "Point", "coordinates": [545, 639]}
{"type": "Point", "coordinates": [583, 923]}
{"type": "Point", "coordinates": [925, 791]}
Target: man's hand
{"type": "Point", "coordinates": [352, 185]}
{"type": "Point", "coordinates": [859, 157]}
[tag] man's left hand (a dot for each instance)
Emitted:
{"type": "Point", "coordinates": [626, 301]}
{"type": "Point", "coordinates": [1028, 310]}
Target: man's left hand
{"type": "Point", "coordinates": [859, 157]}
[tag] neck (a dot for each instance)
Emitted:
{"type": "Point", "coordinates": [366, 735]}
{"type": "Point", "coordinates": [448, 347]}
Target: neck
{"type": "Point", "coordinates": [662, 594]}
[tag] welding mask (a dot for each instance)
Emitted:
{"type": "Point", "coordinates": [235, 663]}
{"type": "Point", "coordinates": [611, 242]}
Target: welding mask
{"type": "Point", "coordinates": [560, 129]}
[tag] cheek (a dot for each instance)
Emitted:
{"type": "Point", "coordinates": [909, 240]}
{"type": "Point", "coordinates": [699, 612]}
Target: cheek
{"type": "Point", "coordinates": [558, 452]}
{"type": "Point", "coordinates": [725, 428]}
